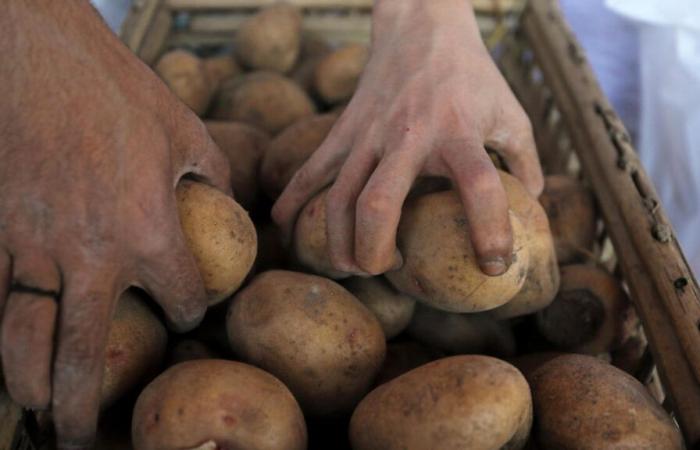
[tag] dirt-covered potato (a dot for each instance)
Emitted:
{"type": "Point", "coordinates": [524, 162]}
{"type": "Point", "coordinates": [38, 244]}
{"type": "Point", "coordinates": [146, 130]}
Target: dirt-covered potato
{"type": "Point", "coordinates": [461, 333]}
{"type": "Point", "coordinates": [310, 240]}
{"type": "Point", "coordinates": [135, 347]}
{"type": "Point", "coordinates": [589, 313]}
{"type": "Point", "coordinates": [290, 149]}
{"type": "Point", "coordinates": [244, 145]}
{"type": "Point", "coordinates": [338, 73]}
{"type": "Point", "coordinates": [312, 334]}
{"type": "Point", "coordinates": [265, 100]}
{"type": "Point", "coordinates": [220, 235]}
{"type": "Point", "coordinates": [185, 75]}
{"type": "Point", "coordinates": [571, 211]}
{"type": "Point", "coordinates": [583, 403]}
{"type": "Point", "coordinates": [271, 39]}
{"type": "Point", "coordinates": [216, 404]}
{"type": "Point", "coordinates": [462, 402]}
{"type": "Point", "coordinates": [392, 308]}
{"type": "Point", "coordinates": [219, 68]}
{"type": "Point", "coordinates": [440, 267]}
{"type": "Point", "coordinates": [542, 280]}
{"type": "Point", "coordinates": [404, 356]}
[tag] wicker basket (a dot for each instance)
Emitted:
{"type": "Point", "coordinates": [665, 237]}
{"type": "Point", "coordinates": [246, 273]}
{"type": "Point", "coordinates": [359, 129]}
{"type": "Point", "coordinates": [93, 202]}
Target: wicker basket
{"type": "Point", "coordinates": [576, 129]}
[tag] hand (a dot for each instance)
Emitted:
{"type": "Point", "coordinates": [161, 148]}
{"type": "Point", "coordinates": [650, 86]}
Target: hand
{"type": "Point", "coordinates": [428, 103]}
{"type": "Point", "coordinates": [92, 146]}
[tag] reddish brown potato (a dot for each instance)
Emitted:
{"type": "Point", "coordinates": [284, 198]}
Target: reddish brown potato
{"type": "Point", "coordinates": [312, 334]}
{"type": "Point", "coordinates": [185, 75]}
{"type": "Point", "coordinates": [338, 73]}
{"type": "Point", "coordinates": [215, 404]}
{"type": "Point", "coordinates": [462, 402]}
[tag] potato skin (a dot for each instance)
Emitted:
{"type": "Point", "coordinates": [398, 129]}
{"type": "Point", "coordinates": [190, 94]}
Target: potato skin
{"type": "Point", "coordinates": [290, 149]}
{"type": "Point", "coordinates": [244, 145]}
{"type": "Point", "coordinates": [226, 403]}
{"type": "Point", "coordinates": [338, 73]}
{"type": "Point", "coordinates": [571, 210]}
{"type": "Point", "coordinates": [220, 68]}
{"type": "Point", "coordinates": [440, 267]}
{"type": "Point", "coordinates": [135, 347]}
{"type": "Point", "coordinates": [271, 39]}
{"type": "Point", "coordinates": [543, 277]}
{"type": "Point", "coordinates": [583, 403]}
{"type": "Point", "coordinates": [220, 235]}
{"type": "Point", "coordinates": [393, 309]}
{"type": "Point", "coordinates": [265, 100]}
{"type": "Point", "coordinates": [186, 77]}
{"type": "Point", "coordinates": [461, 402]}
{"type": "Point", "coordinates": [312, 334]}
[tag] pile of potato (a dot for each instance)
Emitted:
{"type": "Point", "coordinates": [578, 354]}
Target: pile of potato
{"type": "Point", "coordinates": [294, 354]}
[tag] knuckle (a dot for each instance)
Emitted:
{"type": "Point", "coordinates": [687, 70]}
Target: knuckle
{"type": "Point", "coordinates": [374, 204]}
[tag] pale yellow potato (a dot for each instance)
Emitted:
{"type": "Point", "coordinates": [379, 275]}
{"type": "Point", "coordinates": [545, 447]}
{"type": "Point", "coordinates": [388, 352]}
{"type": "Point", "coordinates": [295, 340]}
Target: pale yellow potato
{"type": "Point", "coordinates": [186, 77]}
{"type": "Point", "coordinates": [456, 403]}
{"type": "Point", "coordinates": [338, 73]}
{"type": "Point", "coordinates": [312, 334]}
{"type": "Point", "coordinates": [217, 404]}
{"type": "Point", "coordinates": [220, 235]}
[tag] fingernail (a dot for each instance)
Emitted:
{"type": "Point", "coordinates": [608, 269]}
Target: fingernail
{"type": "Point", "coordinates": [493, 267]}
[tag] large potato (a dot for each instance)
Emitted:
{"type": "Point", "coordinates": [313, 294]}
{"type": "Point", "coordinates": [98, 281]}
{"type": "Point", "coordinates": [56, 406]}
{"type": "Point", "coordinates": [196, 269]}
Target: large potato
{"type": "Point", "coordinates": [462, 402]}
{"type": "Point", "coordinates": [290, 149]}
{"type": "Point", "coordinates": [265, 100]}
{"type": "Point", "coordinates": [244, 146]}
{"type": "Point", "coordinates": [220, 235]}
{"type": "Point", "coordinates": [392, 308]}
{"type": "Point", "coordinates": [571, 210]}
{"type": "Point", "coordinates": [589, 313]}
{"type": "Point", "coordinates": [271, 39]}
{"type": "Point", "coordinates": [583, 403]}
{"type": "Point", "coordinates": [135, 347]}
{"type": "Point", "coordinates": [216, 404]}
{"type": "Point", "coordinates": [185, 75]}
{"type": "Point", "coordinates": [338, 73]}
{"type": "Point", "coordinates": [542, 280]}
{"type": "Point", "coordinates": [461, 333]}
{"type": "Point", "coordinates": [440, 267]}
{"type": "Point", "coordinates": [310, 333]}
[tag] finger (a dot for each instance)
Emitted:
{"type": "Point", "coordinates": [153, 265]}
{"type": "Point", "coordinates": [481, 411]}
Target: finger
{"type": "Point", "coordinates": [379, 211]}
{"type": "Point", "coordinates": [517, 147]}
{"type": "Point", "coordinates": [87, 305]}
{"type": "Point", "coordinates": [485, 205]}
{"type": "Point", "coordinates": [171, 277]}
{"type": "Point", "coordinates": [340, 208]}
{"type": "Point", "coordinates": [5, 273]}
{"type": "Point", "coordinates": [317, 173]}
{"type": "Point", "coordinates": [28, 330]}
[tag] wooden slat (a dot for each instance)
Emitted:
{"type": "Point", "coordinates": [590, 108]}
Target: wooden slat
{"type": "Point", "coordinates": [138, 23]}
{"type": "Point", "coordinates": [663, 287]}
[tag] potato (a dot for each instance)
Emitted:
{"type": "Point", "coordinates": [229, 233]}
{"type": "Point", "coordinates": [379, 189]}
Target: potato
{"type": "Point", "coordinates": [402, 357]}
{"type": "Point", "coordinates": [244, 146]}
{"type": "Point", "coordinates": [589, 312]}
{"type": "Point", "coordinates": [542, 280]}
{"type": "Point", "coordinates": [290, 149]}
{"type": "Point", "coordinates": [440, 268]}
{"type": "Point", "coordinates": [189, 350]}
{"type": "Point", "coordinates": [135, 347]}
{"type": "Point", "coordinates": [583, 403]}
{"type": "Point", "coordinates": [265, 100]}
{"type": "Point", "coordinates": [393, 309]}
{"type": "Point", "coordinates": [528, 363]}
{"type": "Point", "coordinates": [217, 404]}
{"type": "Point", "coordinates": [313, 50]}
{"type": "Point", "coordinates": [185, 75]}
{"type": "Point", "coordinates": [220, 235]}
{"type": "Point", "coordinates": [312, 334]}
{"type": "Point", "coordinates": [310, 240]}
{"type": "Point", "coordinates": [271, 39]}
{"type": "Point", "coordinates": [461, 333]}
{"type": "Point", "coordinates": [462, 402]}
{"type": "Point", "coordinates": [571, 211]}
{"type": "Point", "coordinates": [220, 68]}
{"type": "Point", "coordinates": [338, 73]}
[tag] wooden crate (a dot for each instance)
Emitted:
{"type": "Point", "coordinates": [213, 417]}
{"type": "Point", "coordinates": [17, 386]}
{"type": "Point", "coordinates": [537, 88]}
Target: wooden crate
{"type": "Point", "coordinates": [576, 129]}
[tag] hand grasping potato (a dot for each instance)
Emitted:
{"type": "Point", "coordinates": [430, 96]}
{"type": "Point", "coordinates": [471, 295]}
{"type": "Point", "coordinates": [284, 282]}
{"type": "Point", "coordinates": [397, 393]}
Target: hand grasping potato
{"type": "Point", "coordinates": [92, 146]}
{"type": "Point", "coordinates": [428, 103]}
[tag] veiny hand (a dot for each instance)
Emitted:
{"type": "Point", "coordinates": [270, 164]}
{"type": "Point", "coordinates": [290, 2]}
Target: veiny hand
{"type": "Point", "coordinates": [428, 103]}
{"type": "Point", "coordinates": [92, 146]}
